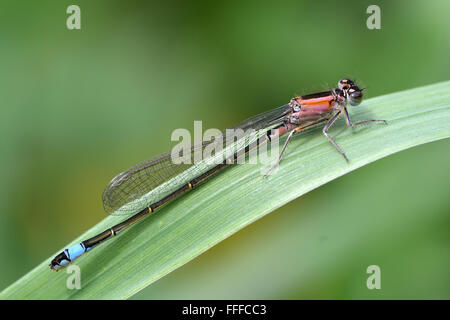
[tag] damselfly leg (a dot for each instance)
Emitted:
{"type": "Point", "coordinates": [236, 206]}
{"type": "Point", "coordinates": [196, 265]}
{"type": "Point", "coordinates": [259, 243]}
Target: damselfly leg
{"type": "Point", "coordinates": [325, 132]}
{"type": "Point", "coordinates": [351, 124]}
{"type": "Point", "coordinates": [291, 133]}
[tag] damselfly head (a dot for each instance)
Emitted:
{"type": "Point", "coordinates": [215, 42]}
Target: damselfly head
{"type": "Point", "coordinates": [352, 92]}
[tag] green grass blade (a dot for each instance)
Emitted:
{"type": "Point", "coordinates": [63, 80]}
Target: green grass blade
{"type": "Point", "coordinates": [237, 197]}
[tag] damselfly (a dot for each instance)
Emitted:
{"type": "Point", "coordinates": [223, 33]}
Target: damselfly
{"type": "Point", "coordinates": [148, 186]}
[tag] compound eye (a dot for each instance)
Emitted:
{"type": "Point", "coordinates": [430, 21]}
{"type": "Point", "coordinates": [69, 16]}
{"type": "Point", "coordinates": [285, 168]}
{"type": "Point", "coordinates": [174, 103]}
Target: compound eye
{"type": "Point", "coordinates": [355, 96]}
{"type": "Point", "coordinates": [345, 83]}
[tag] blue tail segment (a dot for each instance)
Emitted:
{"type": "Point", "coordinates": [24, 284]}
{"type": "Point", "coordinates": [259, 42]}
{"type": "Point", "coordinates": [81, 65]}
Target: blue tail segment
{"type": "Point", "coordinates": [75, 251]}
{"type": "Point", "coordinates": [68, 255]}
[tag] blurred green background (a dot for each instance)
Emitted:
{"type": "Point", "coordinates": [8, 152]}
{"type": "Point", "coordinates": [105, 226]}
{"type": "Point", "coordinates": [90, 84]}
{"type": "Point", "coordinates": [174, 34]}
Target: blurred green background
{"type": "Point", "coordinates": [78, 107]}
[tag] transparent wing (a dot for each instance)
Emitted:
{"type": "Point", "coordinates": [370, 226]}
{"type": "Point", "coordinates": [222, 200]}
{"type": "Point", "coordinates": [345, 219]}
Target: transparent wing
{"type": "Point", "coordinates": [151, 180]}
{"type": "Point", "coordinates": [266, 119]}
